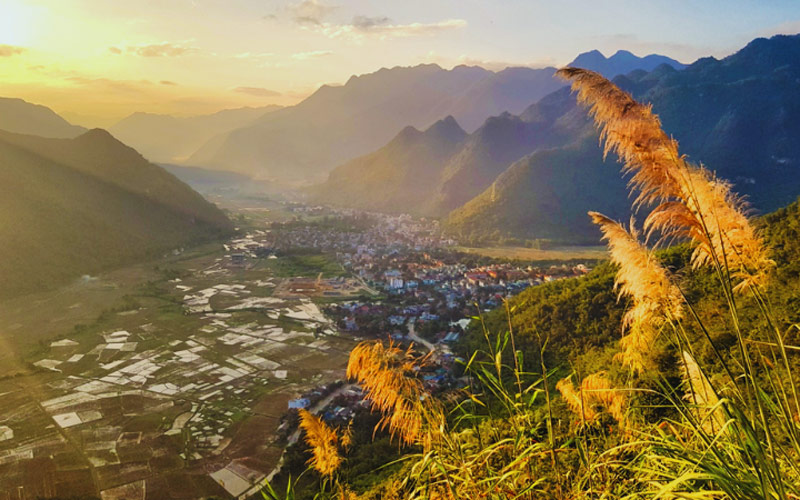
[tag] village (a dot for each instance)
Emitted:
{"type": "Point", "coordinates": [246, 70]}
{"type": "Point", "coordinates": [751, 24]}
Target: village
{"type": "Point", "coordinates": [191, 388]}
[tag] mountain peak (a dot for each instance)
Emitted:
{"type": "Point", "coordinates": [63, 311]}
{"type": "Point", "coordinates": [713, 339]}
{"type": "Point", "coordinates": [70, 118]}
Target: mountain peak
{"type": "Point", "coordinates": [590, 57]}
{"type": "Point", "coordinates": [623, 54]}
{"type": "Point", "coordinates": [23, 117]}
{"type": "Point", "coordinates": [100, 136]}
{"type": "Point", "coordinates": [447, 129]}
{"type": "Point", "coordinates": [98, 133]}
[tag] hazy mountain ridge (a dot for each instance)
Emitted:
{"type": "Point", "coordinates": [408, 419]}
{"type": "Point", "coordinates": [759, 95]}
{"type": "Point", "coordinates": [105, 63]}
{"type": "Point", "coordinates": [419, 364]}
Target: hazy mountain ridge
{"type": "Point", "coordinates": [404, 173]}
{"type": "Point", "coordinates": [22, 117]}
{"type": "Point", "coordinates": [336, 124]}
{"type": "Point", "coordinates": [168, 138]}
{"type": "Point", "coordinates": [84, 205]}
{"type": "Point", "coordinates": [485, 154]}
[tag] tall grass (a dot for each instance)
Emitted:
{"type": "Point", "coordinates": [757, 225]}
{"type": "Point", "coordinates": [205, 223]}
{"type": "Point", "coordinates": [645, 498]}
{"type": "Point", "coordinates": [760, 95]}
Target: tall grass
{"type": "Point", "coordinates": [727, 429]}
{"type": "Point", "coordinates": [736, 438]}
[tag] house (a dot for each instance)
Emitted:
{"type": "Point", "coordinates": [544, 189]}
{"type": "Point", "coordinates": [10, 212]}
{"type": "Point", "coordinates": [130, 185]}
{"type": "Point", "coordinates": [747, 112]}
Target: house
{"type": "Point", "coordinates": [397, 320]}
{"type": "Point", "coordinates": [395, 283]}
{"type": "Point", "coordinates": [451, 337]}
{"type": "Point", "coordinates": [299, 404]}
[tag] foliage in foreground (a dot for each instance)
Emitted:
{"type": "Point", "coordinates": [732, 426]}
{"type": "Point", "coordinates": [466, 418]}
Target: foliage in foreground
{"type": "Point", "coordinates": [723, 423]}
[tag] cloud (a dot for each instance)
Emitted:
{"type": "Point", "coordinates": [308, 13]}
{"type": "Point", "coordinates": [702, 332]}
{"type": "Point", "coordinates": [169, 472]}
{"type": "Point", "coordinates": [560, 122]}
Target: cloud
{"type": "Point", "coordinates": [367, 23]}
{"type": "Point", "coordinates": [303, 56]}
{"type": "Point", "coordinates": [110, 85]}
{"type": "Point", "coordinates": [257, 91]}
{"type": "Point", "coordinates": [158, 49]}
{"type": "Point", "coordinates": [310, 12]}
{"type": "Point", "coordinates": [381, 28]}
{"type": "Point", "coordinates": [167, 82]}
{"type": "Point", "coordinates": [11, 50]}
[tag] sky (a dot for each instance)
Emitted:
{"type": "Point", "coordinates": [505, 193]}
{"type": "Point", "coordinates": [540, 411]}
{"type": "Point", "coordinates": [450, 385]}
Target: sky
{"type": "Point", "coordinates": [97, 61]}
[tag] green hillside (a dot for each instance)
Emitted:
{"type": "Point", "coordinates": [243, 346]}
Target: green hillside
{"type": "Point", "coordinates": [544, 196]}
{"type": "Point", "coordinates": [81, 206]}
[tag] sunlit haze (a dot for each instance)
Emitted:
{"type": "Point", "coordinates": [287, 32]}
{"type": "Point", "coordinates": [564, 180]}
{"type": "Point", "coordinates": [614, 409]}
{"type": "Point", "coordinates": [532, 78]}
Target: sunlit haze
{"type": "Point", "coordinates": [96, 61]}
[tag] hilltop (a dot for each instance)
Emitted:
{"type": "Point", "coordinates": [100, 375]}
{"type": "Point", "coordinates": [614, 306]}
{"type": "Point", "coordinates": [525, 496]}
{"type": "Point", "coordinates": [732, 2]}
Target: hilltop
{"type": "Point", "coordinates": [22, 117]}
{"type": "Point", "coordinates": [621, 63]}
{"type": "Point", "coordinates": [464, 169]}
{"type": "Point", "coordinates": [81, 206]}
{"type": "Point", "coordinates": [401, 176]}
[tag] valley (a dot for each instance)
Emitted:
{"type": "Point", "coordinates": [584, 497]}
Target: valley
{"type": "Point", "coordinates": [174, 376]}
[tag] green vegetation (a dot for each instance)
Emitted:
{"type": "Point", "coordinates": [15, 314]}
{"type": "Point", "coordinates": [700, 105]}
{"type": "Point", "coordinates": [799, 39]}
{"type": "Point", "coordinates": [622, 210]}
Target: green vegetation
{"type": "Point", "coordinates": [545, 195]}
{"type": "Point", "coordinates": [82, 206]}
{"type": "Point", "coordinates": [308, 265]}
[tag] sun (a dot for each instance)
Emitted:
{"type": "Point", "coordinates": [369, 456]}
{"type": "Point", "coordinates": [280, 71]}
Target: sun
{"type": "Point", "coordinates": [16, 23]}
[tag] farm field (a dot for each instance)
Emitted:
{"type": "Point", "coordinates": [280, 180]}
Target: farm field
{"type": "Point", "coordinates": [163, 380]}
{"type": "Point", "coordinates": [563, 253]}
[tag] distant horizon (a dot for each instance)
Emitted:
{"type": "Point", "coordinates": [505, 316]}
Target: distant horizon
{"type": "Point", "coordinates": [96, 62]}
{"type": "Point", "coordinates": [77, 119]}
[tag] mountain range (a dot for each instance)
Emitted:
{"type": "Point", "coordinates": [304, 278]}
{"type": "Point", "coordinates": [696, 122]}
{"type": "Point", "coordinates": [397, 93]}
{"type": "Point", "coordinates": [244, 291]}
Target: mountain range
{"type": "Point", "coordinates": [304, 142]}
{"type": "Point", "coordinates": [621, 63]}
{"type": "Point", "coordinates": [516, 174]}
{"type": "Point", "coordinates": [79, 206]}
{"type": "Point", "coordinates": [166, 138]}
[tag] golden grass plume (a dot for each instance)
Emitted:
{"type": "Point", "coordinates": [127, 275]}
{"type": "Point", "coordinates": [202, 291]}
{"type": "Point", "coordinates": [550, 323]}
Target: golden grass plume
{"type": "Point", "coordinates": [386, 373]}
{"type": "Point", "coordinates": [691, 202]}
{"type": "Point", "coordinates": [641, 277]}
{"type": "Point", "coordinates": [595, 394]}
{"type": "Point", "coordinates": [323, 442]}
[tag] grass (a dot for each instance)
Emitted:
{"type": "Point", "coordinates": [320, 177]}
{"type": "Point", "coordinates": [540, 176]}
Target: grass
{"type": "Point", "coordinates": [555, 254]}
{"type": "Point", "coordinates": [308, 266]}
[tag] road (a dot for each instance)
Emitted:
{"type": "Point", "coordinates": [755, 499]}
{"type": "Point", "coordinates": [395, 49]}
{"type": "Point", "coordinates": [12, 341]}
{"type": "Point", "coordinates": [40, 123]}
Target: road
{"type": "Point", "coordinates": [412, 334]}
{"type": "Point", "coordinates": [364, 284]}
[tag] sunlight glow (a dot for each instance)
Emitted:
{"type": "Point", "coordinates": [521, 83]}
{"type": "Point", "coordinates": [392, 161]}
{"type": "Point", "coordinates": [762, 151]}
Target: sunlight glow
{"type": "Point", "coordinates": [16, 23]}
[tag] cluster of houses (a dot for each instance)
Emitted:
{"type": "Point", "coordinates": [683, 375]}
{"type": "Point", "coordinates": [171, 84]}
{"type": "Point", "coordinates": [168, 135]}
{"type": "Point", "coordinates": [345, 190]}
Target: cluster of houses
{"type": "Point", "coordinates": [427, 290]}
{"type": "Point", "coordinates": [349, 231]}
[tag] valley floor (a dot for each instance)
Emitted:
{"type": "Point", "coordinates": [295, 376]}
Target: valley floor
{"type": "Point", "coordinates": [173, 378]}
{"type": "Point", "coordinates": [169, 378]}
